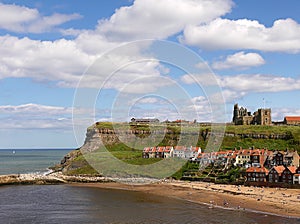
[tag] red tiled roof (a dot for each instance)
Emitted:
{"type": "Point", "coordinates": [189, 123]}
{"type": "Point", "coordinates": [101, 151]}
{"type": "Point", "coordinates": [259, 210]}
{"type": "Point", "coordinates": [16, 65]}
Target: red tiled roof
{"type": "Point", "coordinates": [195, 148]}
{"type": "Point", "coordinates": [222, 152]}
{"type": "Point", "coordinates": [257, 170]}
{"type": "Point", "coordinates": [160, 149]}
{"type": "Point", "coordinates": [244, 151]}
{"type": "Point", "coordinates": [292, 118]}
{"type": "Point", "coordinates": [292, 169]}
{"type": "Point", "coordinates": [153, 149]}
{"type": "Point", "coordinates": [179, 147]}
{"type": "Point", "coordinates": [279, 169]}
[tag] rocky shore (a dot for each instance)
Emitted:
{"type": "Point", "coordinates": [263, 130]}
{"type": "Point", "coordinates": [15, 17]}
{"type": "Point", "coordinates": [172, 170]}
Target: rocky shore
{"type": "Point", "coordinates": [52, 178]}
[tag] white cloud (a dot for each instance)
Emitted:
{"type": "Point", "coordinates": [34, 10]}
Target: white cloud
{"type": "Point", "coordinates": [42, 60]}
{"type": "Point", "coordinates": [259, 83]}
{"type": "Point", "coordinates": [31, 109]}
{"type": "Point", "coordinates": [239, 60]}
{"type": "Point", "coordinates": [237, 86]}
{"type": "Point", "coordinates": [160, 19]}
{"type": "Point", "coordinates": [35, 116]}
{"type": "Point", "coordinates": [149, 100]}
{"type": "Point", "coordinates": [47, 23]}
{"type": "Point", "coordinates": [22, 19]}
{"type": "Point", "coordinates": [283, 36]}
{"type": "Point", "coordinates": [251, 82]}
{"type": "Point", "coordinates": [278, 114]}
{"type": "Point", "coordinates": [38, 116]}
{"type": "Point", "coordinates": [36, 123]}
{"type": "Point", "coordinates": [63, 61]}
{"type": "Point", "coordinates": [205, 79]}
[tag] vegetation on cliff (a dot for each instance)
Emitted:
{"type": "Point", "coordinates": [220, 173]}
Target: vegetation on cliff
{"type": "Point", "coordinates": [270, 137]}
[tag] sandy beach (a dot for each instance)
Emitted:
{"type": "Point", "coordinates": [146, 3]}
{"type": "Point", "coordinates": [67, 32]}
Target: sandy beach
{"type": "Point", "coordinates": [279, 201]}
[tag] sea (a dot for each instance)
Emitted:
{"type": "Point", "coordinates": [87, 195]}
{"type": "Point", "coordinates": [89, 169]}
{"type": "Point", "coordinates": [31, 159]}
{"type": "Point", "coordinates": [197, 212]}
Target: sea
{"type": "Point", "coordinates": [77, 204]}
{"type": "Point", "coordinates": [16, 161]}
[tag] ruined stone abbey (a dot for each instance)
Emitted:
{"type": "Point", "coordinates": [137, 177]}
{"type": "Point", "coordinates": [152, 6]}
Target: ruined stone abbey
{"type": "Point", "coordinates": [241, 116]}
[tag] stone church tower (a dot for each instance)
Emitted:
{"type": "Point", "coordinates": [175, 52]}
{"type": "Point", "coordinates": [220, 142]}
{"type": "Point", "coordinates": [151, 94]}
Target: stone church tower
{"type": "Point", "coordinates": [262, 117]}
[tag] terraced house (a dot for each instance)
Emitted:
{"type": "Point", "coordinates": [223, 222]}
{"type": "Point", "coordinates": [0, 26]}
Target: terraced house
{"type": "Point", "coordinates": [257, 174]}
{"type": "Point", "coordinates": [262, 165]}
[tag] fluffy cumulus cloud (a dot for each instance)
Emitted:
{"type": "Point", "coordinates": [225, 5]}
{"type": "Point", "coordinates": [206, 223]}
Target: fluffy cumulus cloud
{"type": "Point", "coordinates": [42, 60]}
{"type": "Point", "coordinates": [46, 61]}
{"type": "Point", "coordinates": [283, 36]}
{"type": "Point", "coordinates": [160, 19]}
{"type": "Point", "coordinates": [239, 60]}
{"type": "Point", "coordinates": [23, 19]}
{"type": "Point", "coordinates": [63, 61]}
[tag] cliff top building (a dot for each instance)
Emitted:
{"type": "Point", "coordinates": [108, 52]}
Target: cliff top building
{"type": "Point", "coordinates": [292, 120]}
{"type": "Point", "coordinates": [241, 116]}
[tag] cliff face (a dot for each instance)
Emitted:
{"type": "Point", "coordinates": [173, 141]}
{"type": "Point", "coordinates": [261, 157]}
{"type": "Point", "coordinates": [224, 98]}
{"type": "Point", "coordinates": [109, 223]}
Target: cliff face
{"type": "Point", "coordinates": [98, 136]}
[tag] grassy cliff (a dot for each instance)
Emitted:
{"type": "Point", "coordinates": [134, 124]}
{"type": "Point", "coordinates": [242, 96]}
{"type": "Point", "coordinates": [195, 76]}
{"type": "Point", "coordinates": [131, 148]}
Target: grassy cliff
{"type": "Point", "coordinates": [271, 137]}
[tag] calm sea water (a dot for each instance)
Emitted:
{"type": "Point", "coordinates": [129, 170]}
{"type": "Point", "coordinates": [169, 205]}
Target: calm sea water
{"type": "Point", "coordinates": [70, 204]}
{"type": "Point", "coordinates": [29, 160]}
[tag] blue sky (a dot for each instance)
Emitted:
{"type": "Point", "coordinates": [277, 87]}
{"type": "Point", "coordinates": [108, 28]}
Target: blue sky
{"type": "Point", "coordinates": [251, 47]}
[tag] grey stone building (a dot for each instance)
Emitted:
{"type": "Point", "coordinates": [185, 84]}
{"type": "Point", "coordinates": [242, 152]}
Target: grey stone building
{"type": "Point", "coordinates": [241, 116]}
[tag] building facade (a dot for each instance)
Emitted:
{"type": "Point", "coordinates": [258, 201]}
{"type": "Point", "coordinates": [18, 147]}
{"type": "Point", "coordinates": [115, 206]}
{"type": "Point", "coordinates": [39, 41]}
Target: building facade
{"type": "Point", "coordinates": [256, 174]}
{"type": "Point", "coordinates": [289, 120]}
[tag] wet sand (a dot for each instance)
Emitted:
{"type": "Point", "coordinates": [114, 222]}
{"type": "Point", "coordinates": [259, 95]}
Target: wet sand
{"type": "Point", "coordinates": [279, 201]}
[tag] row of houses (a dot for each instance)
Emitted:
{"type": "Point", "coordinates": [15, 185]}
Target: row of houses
{"type": "Point", "coordinates": [237, 157]}
{"type": "Point", "coordinates": [277, 174]}
{"type": "Point", "coordinates": [262, 165]}
{"type": "Point", "coordinates": [170, 151]}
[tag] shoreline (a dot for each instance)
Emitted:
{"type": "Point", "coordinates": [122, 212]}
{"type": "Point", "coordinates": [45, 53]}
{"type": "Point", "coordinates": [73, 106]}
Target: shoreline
{"type": "Point", "coordinates": [270, 201]}
{"type": "Point", "coordinates": [214, 196]}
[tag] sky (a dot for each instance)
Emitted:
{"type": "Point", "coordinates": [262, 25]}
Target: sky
{"type": "Point", "coordinates": [66, 64]}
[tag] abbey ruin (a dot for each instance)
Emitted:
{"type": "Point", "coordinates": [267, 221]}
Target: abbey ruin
{"type": "Point", "coordinates": [241, 116]}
